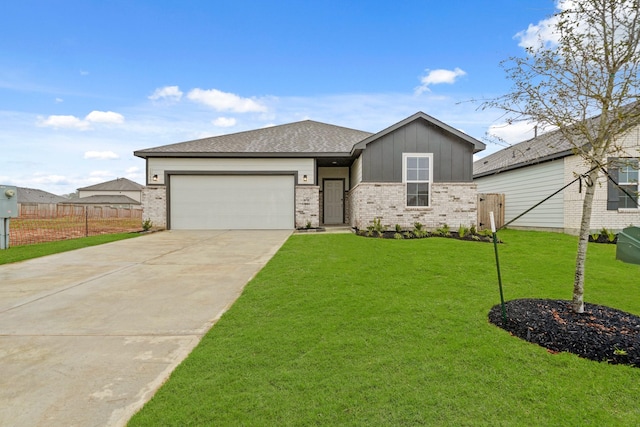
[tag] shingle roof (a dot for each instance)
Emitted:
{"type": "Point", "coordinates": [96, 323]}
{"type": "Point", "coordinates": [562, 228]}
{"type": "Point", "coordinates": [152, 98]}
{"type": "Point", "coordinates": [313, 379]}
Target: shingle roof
{"type": "Point", "coordinates": [545, 147]}
{"type": "Point", "coordinates": [102, 200]}
{"type": "Point", "coordinates": [32, 195]}
{"type": "Point", "coordinates": [305, 137]}
{"type": "Point", "coordinates": [118, 184]}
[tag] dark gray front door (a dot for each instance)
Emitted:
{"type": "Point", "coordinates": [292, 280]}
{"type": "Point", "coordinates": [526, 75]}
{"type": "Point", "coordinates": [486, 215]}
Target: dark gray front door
{"type": "Point", "coordinates": [333, 201]}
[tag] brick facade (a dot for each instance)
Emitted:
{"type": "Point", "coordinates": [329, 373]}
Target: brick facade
{"type": "Point", "coordinates": [453, 204]}
{"type": "Point", "coordinates": [614, 220]}
{"type": "Point", "coordinates": [154, 205]}
{"type": "Point", "coordinates": [307, 205]}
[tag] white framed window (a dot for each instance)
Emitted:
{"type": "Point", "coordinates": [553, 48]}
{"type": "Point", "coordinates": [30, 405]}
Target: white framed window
{"type": "Point", "coordinates": [628, 180]}
{"type": "Point", "coordinates": [417, 175]}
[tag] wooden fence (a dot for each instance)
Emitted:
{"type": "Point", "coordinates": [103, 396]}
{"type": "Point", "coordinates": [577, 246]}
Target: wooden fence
{"type": "Point", "coordinates": [37, 223]}
{"type": "Point", "coordinates": [489, 202]}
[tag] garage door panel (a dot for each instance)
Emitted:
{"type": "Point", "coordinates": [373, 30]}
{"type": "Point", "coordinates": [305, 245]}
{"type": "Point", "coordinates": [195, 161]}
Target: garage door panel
{"type": "Point", "coordinates": [232, 201]}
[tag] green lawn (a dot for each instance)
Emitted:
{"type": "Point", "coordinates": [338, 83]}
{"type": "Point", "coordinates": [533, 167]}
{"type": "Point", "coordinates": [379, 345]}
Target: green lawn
{"type": "Point", "coordinates": [25, 252]}
{"type": "Point", "coordinates": [345, 330]}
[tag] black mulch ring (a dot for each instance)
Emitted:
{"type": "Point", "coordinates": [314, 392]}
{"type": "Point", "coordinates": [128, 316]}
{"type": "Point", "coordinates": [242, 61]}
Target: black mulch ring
{"type": "Point", "coordinates": [601, 333]}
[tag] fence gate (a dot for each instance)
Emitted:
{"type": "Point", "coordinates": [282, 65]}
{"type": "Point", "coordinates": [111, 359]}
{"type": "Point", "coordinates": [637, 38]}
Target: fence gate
{"type": "Point", "coordinates": [490, 202]}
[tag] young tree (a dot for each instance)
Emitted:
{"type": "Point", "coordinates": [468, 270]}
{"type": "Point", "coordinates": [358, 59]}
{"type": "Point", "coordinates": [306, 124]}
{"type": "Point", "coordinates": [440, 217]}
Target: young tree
{"type": "Point", "coordinates": [583, 80]}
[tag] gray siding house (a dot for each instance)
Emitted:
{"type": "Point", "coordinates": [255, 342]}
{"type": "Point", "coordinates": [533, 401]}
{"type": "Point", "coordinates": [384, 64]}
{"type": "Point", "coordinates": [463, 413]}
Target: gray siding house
{"type": "Point", "coordinates": [311, 173]}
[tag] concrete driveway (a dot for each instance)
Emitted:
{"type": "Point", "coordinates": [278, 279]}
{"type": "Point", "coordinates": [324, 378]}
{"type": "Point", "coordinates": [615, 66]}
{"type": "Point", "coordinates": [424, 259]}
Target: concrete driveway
{"type": "Point", "coordinates": [87, 337]}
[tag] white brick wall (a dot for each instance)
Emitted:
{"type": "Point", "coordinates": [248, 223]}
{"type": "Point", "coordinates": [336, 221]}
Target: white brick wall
{"type": "Point", "coordinates": [307, 205]}
{"type": "Point", "coordinates": [454, 204]}
{"type": "Point", "coordinates": [600, 217]}
{"type": "Point", "coordinates": [154, 205]}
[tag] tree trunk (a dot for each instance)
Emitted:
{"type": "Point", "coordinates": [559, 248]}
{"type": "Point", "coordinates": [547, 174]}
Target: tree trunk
{"type": "Point", "coordinates": [583, 240]}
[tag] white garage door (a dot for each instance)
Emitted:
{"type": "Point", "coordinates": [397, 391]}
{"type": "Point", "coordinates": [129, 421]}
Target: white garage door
{"type": "Point", "coordinates": [201, 202]}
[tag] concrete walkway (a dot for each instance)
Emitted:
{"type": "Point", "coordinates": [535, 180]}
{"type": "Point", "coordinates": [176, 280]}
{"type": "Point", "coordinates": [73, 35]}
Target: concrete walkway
{"type": "Point", "coordinates": [87, 337]}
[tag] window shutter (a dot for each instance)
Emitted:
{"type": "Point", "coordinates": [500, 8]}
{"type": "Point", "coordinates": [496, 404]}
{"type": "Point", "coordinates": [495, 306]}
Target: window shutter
{"type": "Point", "coordinates": [612, 189]}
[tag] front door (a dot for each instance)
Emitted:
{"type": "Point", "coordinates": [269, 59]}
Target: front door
{"type": "Point", "coordinates": [333, 201]}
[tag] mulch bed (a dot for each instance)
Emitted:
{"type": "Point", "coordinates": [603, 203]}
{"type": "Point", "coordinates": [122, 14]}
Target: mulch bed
{"type": "Point", "coordinates": [601, 333]}
{"type": "Point", "coordinates": [410, 235]}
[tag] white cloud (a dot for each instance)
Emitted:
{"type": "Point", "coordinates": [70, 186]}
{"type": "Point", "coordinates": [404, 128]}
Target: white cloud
{"type": "Point", "coordinates": [63, 122]}
{"type": "Point", "coordinates": [59, 100]}
{"type": "Point", "coordinates": [104, 117]}
{"type": "Point", "coordinates": [542, 34]}
{"type": "Point", "coordinates": [101, 155]}
{"type": "Point", "coordinates": [167, 93]}
{"type": "Point", "coordinates": [41, 179]}
{"type": "Point", "coordinates": [73, 122]}
{"type": "Point", "coordinates": [224, 101]}
{"type": "Point", "coordinates": [84, 73]}
{"type": "Point", "coordinates": [224, 122]}
{"type": "Point", "coordinates": [440, 76]}
{"type": "Point", "coordinates": [133, 169]}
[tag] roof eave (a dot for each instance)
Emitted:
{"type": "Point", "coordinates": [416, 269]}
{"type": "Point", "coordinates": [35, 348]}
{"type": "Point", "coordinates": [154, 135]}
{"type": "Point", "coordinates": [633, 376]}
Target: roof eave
{"type": "Point", "coordinates": [145, 155]}
{"type": "Point", "coordinates": [532, 162]}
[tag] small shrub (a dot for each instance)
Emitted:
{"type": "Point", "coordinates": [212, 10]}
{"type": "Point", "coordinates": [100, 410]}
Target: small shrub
{"type": "Point", "coordinates": [486, 232]}
{"type": "Point", "coordinates": [147, 224]}
{"type": "Point", "coordinates": [611, 236]}
{"type": "Point", "coordinates": [473, 230]}
{"type": "Point", "coordinates": [398, 228]}
{"type": "Point", "coordinates": [463, 231]}
{"type": "Point", "coordinates": [595, 236]}
{"type": "Point", "coordinates": [378, 227]}
{"type": "Point", "coordinates": [419, 231]}
{"type": "Point", "coordinates": [398, 236]}
{"type": "Point", "coordinates": [444, 230]}
{"type": "Point", "coordinates": [308, 225]}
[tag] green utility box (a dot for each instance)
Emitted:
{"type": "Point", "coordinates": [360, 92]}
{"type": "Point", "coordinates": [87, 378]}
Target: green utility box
{"type": "Point", "coordinates": [628, 246]}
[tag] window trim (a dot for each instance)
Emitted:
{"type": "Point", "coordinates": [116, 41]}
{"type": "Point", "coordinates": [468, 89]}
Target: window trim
{"type": "Point", "coordinates": [614, 193]}
{"type": "Point", "coordinates": [429, 181]}
{"type": "Point", "coordinates": [632, 163]}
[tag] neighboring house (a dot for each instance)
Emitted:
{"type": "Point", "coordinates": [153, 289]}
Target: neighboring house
{"type": "Point", "coordinates": [120, 192]}
{"type": "Point", "coordinates": [123, 202]}
{"type": "Point", "coordinates": [34, 196]}
{"type": "Point", "coordinates": [311, 173]}
{"type": "Point", "coordinates": [528, 172]}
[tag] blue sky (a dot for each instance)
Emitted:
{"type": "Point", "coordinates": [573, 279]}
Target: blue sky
{"type": "Point", "coordinates": [85, 83]}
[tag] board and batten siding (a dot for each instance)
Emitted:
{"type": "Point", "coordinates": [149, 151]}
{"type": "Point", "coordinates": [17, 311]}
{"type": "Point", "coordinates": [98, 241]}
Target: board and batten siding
{"type": "Point", "coordinates": [158, 166]}
{"type": "Point", "coordinates": [525, 187]}
{"type": "Point", "coordinates": [452, 157]}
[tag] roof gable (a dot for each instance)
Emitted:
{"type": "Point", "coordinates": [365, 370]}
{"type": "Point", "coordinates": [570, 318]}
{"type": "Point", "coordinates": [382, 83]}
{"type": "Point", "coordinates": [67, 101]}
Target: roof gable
{"type": "Point", "coordinates": [118, 184]}
{"type": "Point", "coordinates": [306, 137]}
{"type": "Point", "coordinates": [477, 145]}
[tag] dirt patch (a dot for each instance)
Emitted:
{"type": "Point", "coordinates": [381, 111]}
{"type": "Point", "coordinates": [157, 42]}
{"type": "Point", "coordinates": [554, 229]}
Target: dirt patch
{"type": "Point", "coordinates": [601, 333]}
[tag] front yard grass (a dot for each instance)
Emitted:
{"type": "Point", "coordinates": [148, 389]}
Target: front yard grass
{"type": "Point", "coordinates": [343, 330]}
{"type": "Point", "coordinates": [25, 252]}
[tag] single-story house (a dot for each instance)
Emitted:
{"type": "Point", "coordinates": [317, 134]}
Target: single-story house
{"type": "Point", "coordinates": [34, 196]}
{"type": "Point", "coordinates": [528, 172]}
{"type": "Point", "coordinates": [310, 174]}
{"type": "Point", "coordinates": [121, 187]}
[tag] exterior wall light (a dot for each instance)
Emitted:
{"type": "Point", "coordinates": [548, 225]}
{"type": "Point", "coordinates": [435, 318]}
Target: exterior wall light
{"type": "Point", "coordinates": [154, 177]}
{"type": "Point", "coordinates": [304, 178]}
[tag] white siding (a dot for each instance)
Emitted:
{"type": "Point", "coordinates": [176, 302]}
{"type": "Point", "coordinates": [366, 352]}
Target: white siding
{"type": "Point", "coordinates": [333, 173]}
{"type": "Point", "coordinates": [527, 186]}
{"type": "Point", "coordinates": [157, 166]}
